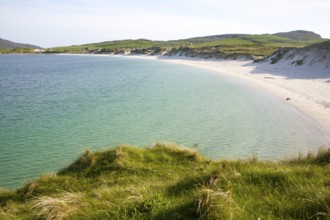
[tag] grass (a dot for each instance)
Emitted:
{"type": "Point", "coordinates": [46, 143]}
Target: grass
{"type": "Point", "coordinates": [237, 51]}
{"type": "Point", "coordinates": [170, 182]}
{"type": "Point", "coordinates": [254, 47]}
{"type": "Point", "coordinates": [58, 207]}
{"type": "Point", "coordinates": [16, 50]}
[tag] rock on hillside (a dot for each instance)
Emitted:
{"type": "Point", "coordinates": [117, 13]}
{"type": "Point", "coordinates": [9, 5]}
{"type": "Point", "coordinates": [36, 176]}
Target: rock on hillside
{"type": "Point", "coordinates": [315, 55]}
{"type": "Point", "coordinates": [6, 44]}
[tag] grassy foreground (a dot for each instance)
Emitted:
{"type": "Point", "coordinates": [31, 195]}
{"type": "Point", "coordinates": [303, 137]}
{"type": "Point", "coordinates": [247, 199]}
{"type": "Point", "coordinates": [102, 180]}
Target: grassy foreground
{"type": "Point", "coordinates": [170, 182]}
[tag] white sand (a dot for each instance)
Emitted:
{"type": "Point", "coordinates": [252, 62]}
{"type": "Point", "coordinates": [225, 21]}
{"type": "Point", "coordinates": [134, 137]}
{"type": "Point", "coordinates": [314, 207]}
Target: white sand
{"type": "Point", "coordinates": [308, 89]}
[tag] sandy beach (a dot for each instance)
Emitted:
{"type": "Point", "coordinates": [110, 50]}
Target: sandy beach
{"type": "Point", "coordinates": [305, 88]}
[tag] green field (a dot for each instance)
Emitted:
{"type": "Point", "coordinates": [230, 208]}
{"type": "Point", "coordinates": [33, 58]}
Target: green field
{"type": "Point", "coordinates": [171, 182]}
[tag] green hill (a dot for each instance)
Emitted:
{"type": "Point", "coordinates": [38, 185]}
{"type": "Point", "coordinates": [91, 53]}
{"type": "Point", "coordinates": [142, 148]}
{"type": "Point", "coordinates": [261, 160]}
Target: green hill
{"type": "Point", "coordinates": [230, 46]}
{"type": "Point", "coordinates": [170, 182]}
{"type": "Point", "coordinates": [7, 46]}
{"type": "Point", "coordinates": [300, 35]}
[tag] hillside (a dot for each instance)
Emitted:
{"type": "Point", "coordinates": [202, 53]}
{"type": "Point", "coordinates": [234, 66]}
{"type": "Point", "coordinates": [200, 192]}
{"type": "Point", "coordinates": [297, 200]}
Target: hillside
{"type": "Point", "coordinates": [316, 55]}
{"type": "Point", "coordinates": [171, 182]}
{"type": "Point", "coordinates": [228, 46]}
{"type": "Point", "coordinates": [299, 35]}
{"type": "Point", "coordinates": [6, 44]}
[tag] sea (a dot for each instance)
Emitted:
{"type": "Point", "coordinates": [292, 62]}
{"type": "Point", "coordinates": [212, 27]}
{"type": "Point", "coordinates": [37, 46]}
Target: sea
{"type": "Point", "coordinates": [54, 107]}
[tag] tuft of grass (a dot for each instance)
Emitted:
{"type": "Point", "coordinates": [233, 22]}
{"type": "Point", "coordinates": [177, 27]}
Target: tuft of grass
{"type": "Point", "coordinates": [321, 158]}
{"type": "Point", "coordinates": [59, 207]}
{"type": "Point", "coordinates": [216, 204]}
{"type": "Point", "coordinates": [178, 151]}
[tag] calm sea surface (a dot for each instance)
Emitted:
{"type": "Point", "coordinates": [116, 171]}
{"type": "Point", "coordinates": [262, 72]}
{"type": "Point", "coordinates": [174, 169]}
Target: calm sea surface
{"type": "Point", "coordinates": [53, 107]}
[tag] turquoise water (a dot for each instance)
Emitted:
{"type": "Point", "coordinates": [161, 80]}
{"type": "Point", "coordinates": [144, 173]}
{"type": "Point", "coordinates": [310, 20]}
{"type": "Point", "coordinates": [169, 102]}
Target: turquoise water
{"type": "Point", "coordinates": [54, 107]}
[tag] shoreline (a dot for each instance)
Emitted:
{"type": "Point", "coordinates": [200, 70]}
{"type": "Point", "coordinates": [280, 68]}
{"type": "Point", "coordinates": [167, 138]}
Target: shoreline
{"type": "Point", "coordinates": [295, 86]}
{"type": "Point", "coordinates": [309, 94]}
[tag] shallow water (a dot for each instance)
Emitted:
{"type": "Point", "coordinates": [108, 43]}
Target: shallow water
{"type": "Point", "coordinates": [55, 107]}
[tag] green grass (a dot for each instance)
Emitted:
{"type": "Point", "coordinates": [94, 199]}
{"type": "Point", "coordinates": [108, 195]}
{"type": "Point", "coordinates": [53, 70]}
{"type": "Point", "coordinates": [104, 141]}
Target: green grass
{"type": "Point", "coordinates": [233, 51]}
{"type": "Point", "coordinates": [16, 50]}
{"type": "Point", "coordinates": [121, 44]}
{"type": "Point", "coordinates": [255, 47]}
{"type": "Point", "coordinates": [251, 46]}
{"type": "Point", "coordinates": [110, 46]}
{"type": "Point", "coordinates": [263, 39]}
{"type": "Point", "coordinates": [171, 182]}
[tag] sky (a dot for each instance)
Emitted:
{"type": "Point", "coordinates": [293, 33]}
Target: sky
{"type": "Point", "coordinates": [50, 23]}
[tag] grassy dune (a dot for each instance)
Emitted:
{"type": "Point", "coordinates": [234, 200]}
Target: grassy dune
{"type": "Point", "coordinates": [222, 46]}
{"type": "Point", "coordinates": [171, 182]}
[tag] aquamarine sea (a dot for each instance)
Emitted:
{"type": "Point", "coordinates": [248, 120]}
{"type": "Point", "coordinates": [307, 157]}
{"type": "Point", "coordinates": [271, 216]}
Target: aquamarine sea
{"type": "Point", "coordinates": [54, 107]}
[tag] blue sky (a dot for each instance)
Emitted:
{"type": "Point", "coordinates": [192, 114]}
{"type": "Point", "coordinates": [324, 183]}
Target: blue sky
{"type": "Point", "coordinates": [50, 23]}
